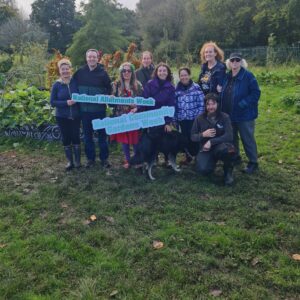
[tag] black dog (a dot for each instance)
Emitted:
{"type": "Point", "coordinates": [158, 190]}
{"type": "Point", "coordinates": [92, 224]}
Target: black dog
{"type": "Point", "coordinates": [155, 141]}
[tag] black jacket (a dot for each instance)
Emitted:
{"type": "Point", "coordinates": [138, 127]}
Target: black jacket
{"type": "Point", "coordinates": [222, 125]}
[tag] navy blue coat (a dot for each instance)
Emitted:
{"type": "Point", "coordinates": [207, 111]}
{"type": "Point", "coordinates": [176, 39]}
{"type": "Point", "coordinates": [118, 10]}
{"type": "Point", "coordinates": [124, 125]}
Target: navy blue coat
{"type": "Point", "coordinates": [246, 93]}
{"type": "Point", "coordinates": [92, 83]}
{"type": "Point", "coordinates": [209, 84]}
{"type": "Point", "coordinates": [60, 93]}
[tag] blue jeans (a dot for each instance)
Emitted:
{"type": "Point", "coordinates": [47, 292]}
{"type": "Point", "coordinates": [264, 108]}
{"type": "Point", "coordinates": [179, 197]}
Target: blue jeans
{"type": "Point", "coordinates": [246, 132]}
{"type": "Point", "coordinates": [88, 131]}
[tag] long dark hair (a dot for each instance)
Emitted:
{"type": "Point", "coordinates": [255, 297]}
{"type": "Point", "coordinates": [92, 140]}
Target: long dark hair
{"type": "Point", "coordinates": [161, 64]}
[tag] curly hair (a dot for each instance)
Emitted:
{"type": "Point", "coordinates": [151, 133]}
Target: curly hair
{"type": "Point", "coordinates": [219, 51]}
{"type": "Point", "coordinates": [162, 64]}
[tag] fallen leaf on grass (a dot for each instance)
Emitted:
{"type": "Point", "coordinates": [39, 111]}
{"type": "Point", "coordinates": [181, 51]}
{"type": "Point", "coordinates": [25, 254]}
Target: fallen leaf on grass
{"type": "Point", "coordinates": [109, 219]}
{"type": "Point", "coordinates": [205, 197]}
{"type": "Point", "coordinates": [86, 222]}
{"type": "Point", "coordinates": [216, 293]}
{"type": "Point", "coordinates": [296, 256]}
{"type": "Point", "coordinates": [280, 161]}
{"type": "Point", "coordinates": [255, 261]}
{"type": "Point", "coordinates": [157, 245]}
{"type": "Point", "coordinates": [93, 218]}
{"type": "Point", "coordinates": [113, 293]}
{"type": "Point", "coordinates": [2, 246]}
{"type": "Point", "coordinates": [64, 205]}
{"type": "Point", "coordinates": [221, 223]}
{"type": "Point", "coordinates": [26, 191]}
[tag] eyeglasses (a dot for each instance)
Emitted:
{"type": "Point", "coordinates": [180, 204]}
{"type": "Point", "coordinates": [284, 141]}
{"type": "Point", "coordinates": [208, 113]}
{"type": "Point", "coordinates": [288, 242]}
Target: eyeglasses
{"type": "Point", "coordinates": [126, 71]}
{"type": "Point", "coordinates": [235, 59]}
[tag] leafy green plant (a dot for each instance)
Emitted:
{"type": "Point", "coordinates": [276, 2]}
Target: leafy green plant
{"type": "Point", "coordinates": [269, 78]}
{"type": "Point", "coordinates": [292, 101]}
{"type": "Point", "coordinates": [25, 106]}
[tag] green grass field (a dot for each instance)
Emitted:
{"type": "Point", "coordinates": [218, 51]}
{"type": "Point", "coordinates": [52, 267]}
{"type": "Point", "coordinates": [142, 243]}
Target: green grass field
{"type": "Point", "coordinates": [225, 242]}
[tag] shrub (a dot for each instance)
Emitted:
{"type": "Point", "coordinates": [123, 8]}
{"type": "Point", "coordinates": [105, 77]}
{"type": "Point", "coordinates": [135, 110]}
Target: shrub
{"type": "Point", "coordinates": [26, 105]}
{"type": "Point", "coordinates": [292, 101]}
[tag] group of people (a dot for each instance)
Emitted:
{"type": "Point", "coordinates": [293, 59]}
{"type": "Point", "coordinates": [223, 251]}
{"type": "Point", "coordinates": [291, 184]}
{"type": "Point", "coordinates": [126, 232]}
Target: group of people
{"type": "Point", "coordinates": [212, 113]}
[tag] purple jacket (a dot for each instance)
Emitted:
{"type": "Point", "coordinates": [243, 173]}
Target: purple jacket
{"type": "Point", "coordinates": [164, 95]}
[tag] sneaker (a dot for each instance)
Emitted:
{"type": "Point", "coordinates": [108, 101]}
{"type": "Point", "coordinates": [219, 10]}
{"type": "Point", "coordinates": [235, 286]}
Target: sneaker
{"type": "Point", "coordinates": [105, 164]}
{"type": "Point", "coordinates": [126, 165]}
{"type": "Point", "coordinates": [89, 163]}
{"type": "Point", "coordinates": [251, 168]}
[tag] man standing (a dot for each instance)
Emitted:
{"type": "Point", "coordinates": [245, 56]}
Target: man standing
{"type": "Point", "coordinates": [92, 79]}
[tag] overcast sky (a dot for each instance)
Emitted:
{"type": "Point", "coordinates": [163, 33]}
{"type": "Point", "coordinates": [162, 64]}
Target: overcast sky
{"type": "Point", "coordinates": [25, 5]}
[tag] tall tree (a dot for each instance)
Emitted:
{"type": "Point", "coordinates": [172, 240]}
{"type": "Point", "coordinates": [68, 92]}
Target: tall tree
{"type": "Point", "coordinates": [7, 10]}
{"type": "Point", "coordinates": [102, 30]}
{"type": "Point", "coordinates": [160, 20]}
{"type": "Point", "coordinates": [57, 17]}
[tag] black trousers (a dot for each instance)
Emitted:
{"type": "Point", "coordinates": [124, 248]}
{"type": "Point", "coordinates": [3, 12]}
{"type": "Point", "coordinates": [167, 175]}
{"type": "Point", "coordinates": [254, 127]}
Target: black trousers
{"type": "Point", "coordinates": [186, 128]}
{"type": "Point", "coordinates": [70, 130]}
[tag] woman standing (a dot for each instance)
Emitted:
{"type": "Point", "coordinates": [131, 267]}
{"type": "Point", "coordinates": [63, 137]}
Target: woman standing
{"type": "Point", "coordinates": [144, 73]}
{"type": "Point", "coordinates": [189, 104]}
{"type": "Point", "coordinates": [239, 99]}
{"type": "Point", "coordinates": [163, 91]}
{"type": "Point", "coordinates": [213, 69]}
{"type": "Point", "coordinates": [126, 86]}
{"type": "Point", "coordinates": [67, 113]}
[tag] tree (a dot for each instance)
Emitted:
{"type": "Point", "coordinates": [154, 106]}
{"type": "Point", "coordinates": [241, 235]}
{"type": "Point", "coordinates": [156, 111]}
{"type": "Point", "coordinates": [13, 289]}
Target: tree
{"type": "Point", "coordinates": [102, 30]}
{"type": "Point", "coordinates": [57, 17]}
{"type": "Point", "coordinates": [7, 11]}
{"type": "Point", "coordinates": [15, 33]}
{"type": "Point", "coordinates": [160, 20]}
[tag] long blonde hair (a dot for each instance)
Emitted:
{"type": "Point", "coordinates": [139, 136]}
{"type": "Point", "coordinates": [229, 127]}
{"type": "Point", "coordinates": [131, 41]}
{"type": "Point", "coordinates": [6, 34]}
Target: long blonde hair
{"type": "Point", "coordinates": [219, 51]}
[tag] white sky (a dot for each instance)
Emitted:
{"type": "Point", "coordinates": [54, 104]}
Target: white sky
{"type": "Point", "coordinates": [25, 5]}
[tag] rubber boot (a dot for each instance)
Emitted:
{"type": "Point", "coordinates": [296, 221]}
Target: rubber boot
{"type": "Point", "coordinates": [228, 174]}
{"type": "Point", "coordinates": [77, 156]}
{"type": "Point", "coordinates": [69, 156]}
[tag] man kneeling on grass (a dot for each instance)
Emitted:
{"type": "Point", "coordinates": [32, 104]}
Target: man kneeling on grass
{"type": "Point", "coordinates": [214, 132]}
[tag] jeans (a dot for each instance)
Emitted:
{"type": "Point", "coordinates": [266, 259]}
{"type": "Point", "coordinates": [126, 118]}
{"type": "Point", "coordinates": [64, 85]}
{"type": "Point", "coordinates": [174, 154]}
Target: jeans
{"type": "Point", "coordinates": [246, 132]}
{"type": "Point", "coordinates": [88, 132]}
{"type": "Point", "coordinates": [70, 130]}
{"type": "Point", "coordinates": [207, 160]}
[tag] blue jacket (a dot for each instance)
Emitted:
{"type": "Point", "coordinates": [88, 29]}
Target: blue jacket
{"type": "Point", "coordinates": [245, 96]}
{"type": "Point", "coordinates": [92, 83]}
{"type": "Point", "coordinates": [210, 79]}
{"type": "Point", "coordinates": [60, 93]}
{"type": "Point", "coordinates": [164, 95]}
{"type": "Point", "coordinates": [189, 101]}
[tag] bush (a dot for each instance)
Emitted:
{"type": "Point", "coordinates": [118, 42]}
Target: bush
{"type": "Point", "coordinates": [5, 63]}
{"type": "Point", "coordinates": [25, 106]}
{"type": "Point", "coordinates": [292, 101]}
{"type": "Point", "coordinates": [269, 78]}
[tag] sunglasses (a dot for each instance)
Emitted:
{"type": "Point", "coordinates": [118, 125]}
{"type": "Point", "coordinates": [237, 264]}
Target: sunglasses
{"type": "Point", "coordinates": [235, 59]}
{"type": "Point", "coordinates": [126, 71]}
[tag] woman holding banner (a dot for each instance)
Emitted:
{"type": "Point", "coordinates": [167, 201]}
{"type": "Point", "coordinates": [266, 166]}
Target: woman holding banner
{"type": "Point", "coordinates": [67, 113]}
{"type": "Point", "coordinates": [162, 90]}
{"type": "Point", "coordinates": [126, 86]}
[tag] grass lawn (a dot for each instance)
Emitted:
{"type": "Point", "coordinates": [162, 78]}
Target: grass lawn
{"type": "Point", "coordinates": [225, 242]}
